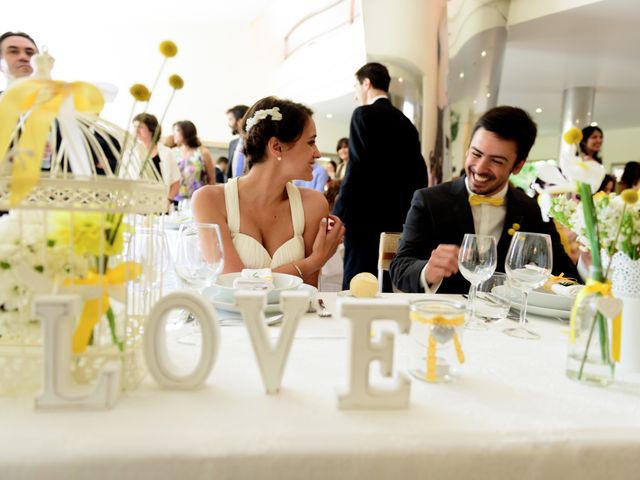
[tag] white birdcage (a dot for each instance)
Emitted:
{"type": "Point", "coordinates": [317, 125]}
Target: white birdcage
{"type": "Point", "coordinates": [91, 224]}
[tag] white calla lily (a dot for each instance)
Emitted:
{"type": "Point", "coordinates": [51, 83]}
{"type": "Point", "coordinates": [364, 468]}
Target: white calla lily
{"type": "Point", "coordinates": [555, 181]}
{"type": "Point", "coordinates": [585, 171]}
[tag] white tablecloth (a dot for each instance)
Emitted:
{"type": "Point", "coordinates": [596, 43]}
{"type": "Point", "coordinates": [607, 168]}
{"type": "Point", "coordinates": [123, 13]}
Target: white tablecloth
{"type": "Point", "coordinates": [511, 413]}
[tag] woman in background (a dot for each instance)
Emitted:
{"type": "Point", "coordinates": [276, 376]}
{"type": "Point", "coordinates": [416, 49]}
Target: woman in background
{"type": "Point", "coordinates": [194, 161]}
{"type": "Point", "coordinates": [630, 176]}
{"type": "Point", "coordinates": [343, 154]}
{"type": "Point", "coordinates": [591, 143]}
{"type": "Point", "coordinates": [147, 129]}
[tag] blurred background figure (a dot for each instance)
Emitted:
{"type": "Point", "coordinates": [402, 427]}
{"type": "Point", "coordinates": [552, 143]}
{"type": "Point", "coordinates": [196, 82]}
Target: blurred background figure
{"type": "Point", "coordinates": [591, 143]}
{"type": "Point", "coordinates": [630, 176]}
{"type": "Point", "coordinates": [331, 167]}
{"type": "Point", "coordinates": [318, 181]}
{"type": "Point", "coordinates": [222, 164]}
{"type": "Point", "coordinates": [343, 154]}
{"type": "Point", "coordinates": [148, 131]}
{"type": "Point", "coordinates": [16, 50]}
{"type": "Point", "coordinates": [608, 184]}
{"type": "Point", "coordinates": [194, 161]}
{"type": "Point", "coordinates": [236, 166]}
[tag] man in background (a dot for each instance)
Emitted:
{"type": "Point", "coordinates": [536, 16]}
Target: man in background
{"type": "Point", "coordinates": [371, 200]}
{"type": "Point", "coordinates": [16, 50]}
{"type": "Point", "coordinates": [236, 157]}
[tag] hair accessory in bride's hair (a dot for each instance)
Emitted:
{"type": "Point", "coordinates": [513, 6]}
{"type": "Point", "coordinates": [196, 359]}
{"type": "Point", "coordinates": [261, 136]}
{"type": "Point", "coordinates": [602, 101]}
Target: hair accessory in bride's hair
{"type": "Point", "coordinates": [261, 115]}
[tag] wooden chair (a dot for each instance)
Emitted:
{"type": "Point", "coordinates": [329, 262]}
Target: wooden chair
{"type": "Point", "coordinates": [388, 248]}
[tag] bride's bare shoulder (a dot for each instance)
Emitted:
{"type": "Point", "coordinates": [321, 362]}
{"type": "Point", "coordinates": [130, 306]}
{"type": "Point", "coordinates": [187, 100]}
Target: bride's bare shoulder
{"type": "Point", "coordinates": [207, 200]}
{"type": "Point", "coordinates": [314, 202]}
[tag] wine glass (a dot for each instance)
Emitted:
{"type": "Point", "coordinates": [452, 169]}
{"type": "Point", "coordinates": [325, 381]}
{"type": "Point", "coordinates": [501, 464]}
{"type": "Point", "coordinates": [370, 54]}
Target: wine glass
{"type": "Point", "coordinates": [477, 260]}
{"type": "Point", "coordinates": [199, 256]}
{"type": "Point", "coordinates": [528, 265]}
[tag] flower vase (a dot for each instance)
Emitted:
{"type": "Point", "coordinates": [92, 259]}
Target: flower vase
{"type": "Point", "coordinates": [626, 287]}
{"type": "Point", "coordinates": [589, 357]}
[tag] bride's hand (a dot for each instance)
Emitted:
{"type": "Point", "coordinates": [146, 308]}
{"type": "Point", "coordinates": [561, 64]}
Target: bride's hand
{"type": "Point", "coordinates": [330, 235]}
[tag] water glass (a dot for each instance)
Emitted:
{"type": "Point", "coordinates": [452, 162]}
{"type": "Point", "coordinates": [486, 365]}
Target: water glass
{"type": "Point", "coordinates": [493, 299]}
{"type": "Point", "coordinates": [477, 260]}
{"type": "Point", "coordinates": [436, 343]}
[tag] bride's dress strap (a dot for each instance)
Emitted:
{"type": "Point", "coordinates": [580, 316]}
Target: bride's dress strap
{"type": "Point", "coordinates": [297, 212]}
{"type": "Point", "coordinates": [232, 205]}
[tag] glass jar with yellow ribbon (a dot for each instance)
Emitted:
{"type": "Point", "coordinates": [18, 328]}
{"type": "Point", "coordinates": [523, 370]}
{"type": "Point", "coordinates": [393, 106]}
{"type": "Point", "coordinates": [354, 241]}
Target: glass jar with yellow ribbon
{"type": "Point", "coordinates": [594, 335]}
{"type": "Point", "coordinates": [436, 342]}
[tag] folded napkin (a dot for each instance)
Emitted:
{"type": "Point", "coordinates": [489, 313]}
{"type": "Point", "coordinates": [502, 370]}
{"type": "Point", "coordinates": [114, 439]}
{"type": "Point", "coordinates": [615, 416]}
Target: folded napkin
{"type": "Point", "coordinates": [566, 290]}
{"type": "Point", "coordinates": [254, 279]}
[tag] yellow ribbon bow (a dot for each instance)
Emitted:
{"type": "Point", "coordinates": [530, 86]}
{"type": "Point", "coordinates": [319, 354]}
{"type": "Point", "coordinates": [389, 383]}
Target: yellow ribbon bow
{"type": "Point", "coordinates": [439, 320]}
{"type": "Point", "coordinates": [604, 289]}
{"type": "Point", "coordinates": [94, 308]}
{"type": "Point", "coordinates": [39, 100]}
{"type": "Point", "coordinates": [475, 200]}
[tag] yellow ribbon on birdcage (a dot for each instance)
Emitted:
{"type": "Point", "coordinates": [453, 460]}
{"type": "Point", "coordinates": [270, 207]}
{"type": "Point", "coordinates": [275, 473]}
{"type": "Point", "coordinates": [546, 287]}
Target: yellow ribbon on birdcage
{"type": "Point", "coordinates": [604, 289]}
{"type": "Point", "coordinates": [439, 320]}
{"type": "Point", "coordinates": [39, 100]}
{"type": "Point", "coordinates": [97, 305]}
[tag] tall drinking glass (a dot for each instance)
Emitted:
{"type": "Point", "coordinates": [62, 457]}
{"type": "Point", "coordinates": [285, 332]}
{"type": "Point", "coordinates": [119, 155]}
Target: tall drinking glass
{"type": "Point", "coordinates": [199, 260]}
{"type": "Point", "coordinates": [528, 266]}
{"type": "Point", "coordinates": [477, 260]}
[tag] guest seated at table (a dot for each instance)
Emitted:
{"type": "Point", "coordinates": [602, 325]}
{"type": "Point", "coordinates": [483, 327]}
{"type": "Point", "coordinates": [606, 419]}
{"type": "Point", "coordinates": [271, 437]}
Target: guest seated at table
{"type": "Point", "coordinates": [481, 202]}
{"type": "Point", "coordinates": [266, 221]}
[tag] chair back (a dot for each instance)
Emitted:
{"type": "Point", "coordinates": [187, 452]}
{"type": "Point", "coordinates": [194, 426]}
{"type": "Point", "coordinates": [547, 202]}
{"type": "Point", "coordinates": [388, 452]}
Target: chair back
{"type": "Point", "coordinates": [388, 248]}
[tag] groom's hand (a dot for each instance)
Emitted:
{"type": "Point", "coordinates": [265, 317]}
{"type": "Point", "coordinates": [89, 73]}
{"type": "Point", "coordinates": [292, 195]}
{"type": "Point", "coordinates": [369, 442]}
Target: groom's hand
{"type": "Point", "coordinates": [442, 264]}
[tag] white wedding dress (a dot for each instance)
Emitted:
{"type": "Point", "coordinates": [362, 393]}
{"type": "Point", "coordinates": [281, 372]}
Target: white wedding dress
{"type": "Point", "coordinates": [251, 252]}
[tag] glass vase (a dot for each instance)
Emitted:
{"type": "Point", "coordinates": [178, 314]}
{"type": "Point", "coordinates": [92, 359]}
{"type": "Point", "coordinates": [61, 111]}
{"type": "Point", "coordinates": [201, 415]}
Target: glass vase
{"type": "Point", "coordinates": [589, 356]}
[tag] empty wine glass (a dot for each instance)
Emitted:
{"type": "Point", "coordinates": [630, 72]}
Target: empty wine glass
{"type": "Point", "coordinates": [477, 260]}
{"type": "Point", "coordinates": [199, 256]}
{"type": "Point", "coordinates": [528, 266]}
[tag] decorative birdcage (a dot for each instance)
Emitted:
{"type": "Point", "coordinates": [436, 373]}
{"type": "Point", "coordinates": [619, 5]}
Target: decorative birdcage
{"type": "Point", "coordinates": [83, 205]}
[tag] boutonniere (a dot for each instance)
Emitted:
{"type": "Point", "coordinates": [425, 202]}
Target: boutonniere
{"type": "Point", "coordinates": [514, 228]}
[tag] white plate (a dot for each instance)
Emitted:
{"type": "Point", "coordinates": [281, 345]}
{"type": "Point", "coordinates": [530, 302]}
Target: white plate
{"type": "Point", "coordinates": [535, 309]}
{"type": "Point", "coordinates": [347, 293]}
{"type": "Point", "coordinates": [270, 308]}
{"type": "Point", "coordinates": [542, 298]}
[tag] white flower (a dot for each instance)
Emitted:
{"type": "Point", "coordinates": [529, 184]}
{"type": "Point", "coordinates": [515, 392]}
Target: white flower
{"type": "Point", "coordinates": [585, 171]}
{"type": "Point", "coordinates": [258, 115]}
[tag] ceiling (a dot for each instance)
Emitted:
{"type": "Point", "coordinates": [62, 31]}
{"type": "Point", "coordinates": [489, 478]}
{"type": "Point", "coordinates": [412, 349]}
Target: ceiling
{"type": "Point", "coordinates": [596, 45]}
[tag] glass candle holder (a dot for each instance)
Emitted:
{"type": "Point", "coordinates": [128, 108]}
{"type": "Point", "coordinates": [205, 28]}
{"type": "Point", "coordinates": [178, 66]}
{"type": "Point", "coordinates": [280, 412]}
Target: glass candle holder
{"type": "Point", "coordinates": [435, 339]}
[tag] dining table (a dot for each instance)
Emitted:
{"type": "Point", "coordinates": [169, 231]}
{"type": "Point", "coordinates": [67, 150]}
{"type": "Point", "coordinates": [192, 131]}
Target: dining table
{"type": "Point", "coordinates": [510, 412]}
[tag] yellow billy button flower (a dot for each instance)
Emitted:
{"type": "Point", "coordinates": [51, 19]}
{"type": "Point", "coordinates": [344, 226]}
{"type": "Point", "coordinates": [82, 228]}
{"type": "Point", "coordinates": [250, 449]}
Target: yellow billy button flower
{"type": "Point", "coordinates": [176, 82]}
{"type": "Point", "coordinates": [168, 49]}
{"type": "Point", "coordinates": [629, 196]}
{"type": "Point", "coordinates": [573, 136]}
{"type": "Point", "coordinates": [140, 92]}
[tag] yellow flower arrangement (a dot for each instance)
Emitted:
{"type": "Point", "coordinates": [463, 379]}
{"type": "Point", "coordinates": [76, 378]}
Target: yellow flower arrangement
{"type": "Point", "coordinates": [89, 233]}
{"type": "Point", "coordinates": [140, 92]}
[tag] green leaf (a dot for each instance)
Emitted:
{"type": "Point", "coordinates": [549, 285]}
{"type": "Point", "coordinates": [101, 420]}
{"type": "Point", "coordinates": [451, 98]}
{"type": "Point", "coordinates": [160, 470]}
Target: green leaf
{"type": "Point", "coordinates": [5, 265]}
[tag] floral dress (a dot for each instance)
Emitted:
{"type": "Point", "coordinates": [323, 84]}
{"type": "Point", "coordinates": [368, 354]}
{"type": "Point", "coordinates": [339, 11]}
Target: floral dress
{"type": "Point", "coordinates": [194, 173]}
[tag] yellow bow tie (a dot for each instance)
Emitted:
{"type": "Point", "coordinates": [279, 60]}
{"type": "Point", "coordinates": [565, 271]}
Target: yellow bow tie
{"type": "Point", "coordinates": [475, 200]}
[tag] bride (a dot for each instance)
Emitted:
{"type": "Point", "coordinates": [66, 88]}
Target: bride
{"type": "Point", "coordinates": [265, 221]}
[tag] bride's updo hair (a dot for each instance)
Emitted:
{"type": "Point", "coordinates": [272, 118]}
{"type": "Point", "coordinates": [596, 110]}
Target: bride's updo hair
{"type": "Point", "coordinates": [286, 124]}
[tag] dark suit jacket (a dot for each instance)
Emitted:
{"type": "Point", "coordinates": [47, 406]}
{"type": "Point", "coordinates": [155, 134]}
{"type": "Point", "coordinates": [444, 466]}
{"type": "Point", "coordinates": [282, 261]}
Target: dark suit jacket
{"type": "Point", "coordinates": [232, 148]}
{"type": "Point", "coordinates": [385, 168]}
{"type": "Point", "coordinates": [442, 214]}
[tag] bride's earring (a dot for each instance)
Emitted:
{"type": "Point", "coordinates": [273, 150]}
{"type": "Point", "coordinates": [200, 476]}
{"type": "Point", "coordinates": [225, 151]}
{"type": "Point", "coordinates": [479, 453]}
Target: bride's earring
{"type": "Point", "coordinates": [279, 158]}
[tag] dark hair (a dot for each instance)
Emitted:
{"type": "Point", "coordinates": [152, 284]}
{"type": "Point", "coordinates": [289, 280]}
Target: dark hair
{"type": "Point", "coordinates": [238, 111]}
{"type": "Point", "coordinates": [510, 123]}
{"type": "Point", "coordinates": [343, 142]}
{"type": "Point", "coordinates": [586, 133]}
{"type": "Point", "coordinates": [607, 178]}
{"type": "Point", "coordinates": [331, 191]}
{"type": "Point", "coordinates": [6, 35]}
{"type": "Point", "coordinates": [222, 160]}
{"type": "Point", "coordinates": [152, 124]}
{"type": "Point", "coordinates": [630, 175]}
{"type": "Point", "coordinates": [335, 165]}
{"type": "Point", "coordinates": [377, 74]}
{"type": "Point", "coordinates": [189, 133]}
{"type": "Point", "coordinates": [287, 130]}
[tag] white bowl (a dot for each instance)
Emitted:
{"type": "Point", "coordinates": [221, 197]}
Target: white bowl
{"type": "Point", "coordinates": [223, 287]}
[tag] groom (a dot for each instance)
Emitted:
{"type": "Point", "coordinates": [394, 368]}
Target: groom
{"type": "Point", "coordinates": [480, 202]}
